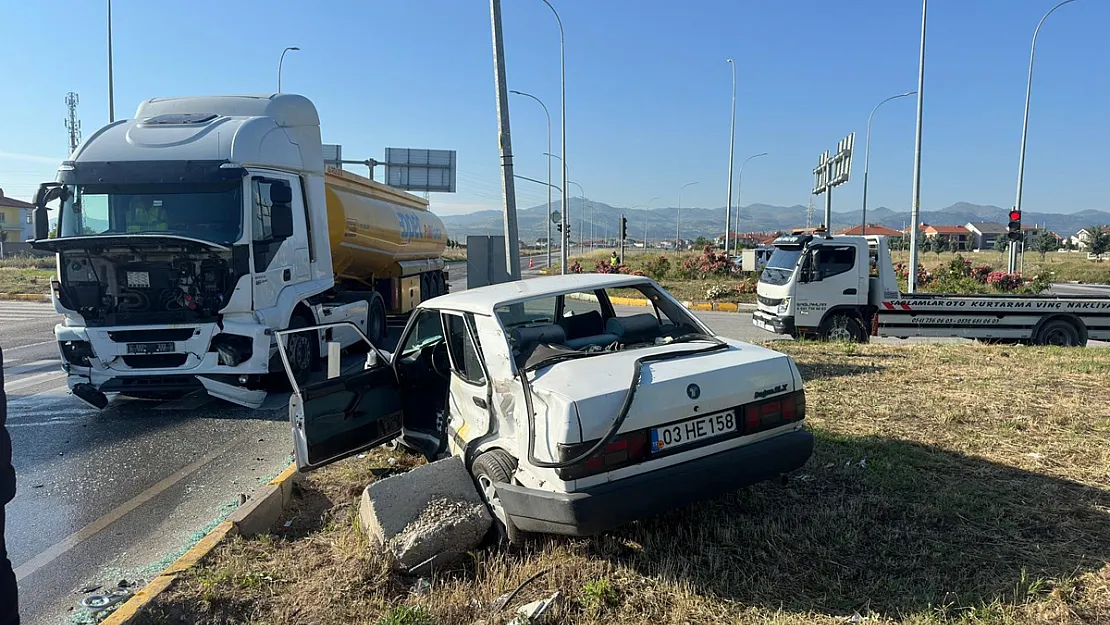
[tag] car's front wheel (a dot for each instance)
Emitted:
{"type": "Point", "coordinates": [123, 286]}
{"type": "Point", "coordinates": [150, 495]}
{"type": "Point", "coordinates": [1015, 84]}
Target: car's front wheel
{"type": "Point", "coordinates": [488, 469]}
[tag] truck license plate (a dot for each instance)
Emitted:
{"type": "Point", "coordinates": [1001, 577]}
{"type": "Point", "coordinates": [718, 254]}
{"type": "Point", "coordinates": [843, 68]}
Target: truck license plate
{"type": "Point", "coordinates": [692, 431]}
{"type": "Point", "coordinates": [151, 348]}
{"type": "Point", "coordinates": [759, 323]}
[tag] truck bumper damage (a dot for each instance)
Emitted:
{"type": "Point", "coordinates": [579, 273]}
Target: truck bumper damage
{"type": "Point", "coordinates": [147, 361]}
{"type": "Point", "coordinates": [603, 507]}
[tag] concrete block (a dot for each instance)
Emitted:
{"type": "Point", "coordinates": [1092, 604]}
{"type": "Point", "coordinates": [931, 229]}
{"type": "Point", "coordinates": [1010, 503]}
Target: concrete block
{"type": "Point", "coordinates": [433, 512]}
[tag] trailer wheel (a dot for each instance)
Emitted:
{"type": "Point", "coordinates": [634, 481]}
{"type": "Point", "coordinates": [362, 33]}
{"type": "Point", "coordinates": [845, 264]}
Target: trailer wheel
{"type": "Point", "coordinates": [375, 320]}
{"type": "Point", "coordinates": [841, 327]}
{"type": "Point", "coordinates": [1060, 333]}
{"type": "Point", "coordinates": [489, 468]}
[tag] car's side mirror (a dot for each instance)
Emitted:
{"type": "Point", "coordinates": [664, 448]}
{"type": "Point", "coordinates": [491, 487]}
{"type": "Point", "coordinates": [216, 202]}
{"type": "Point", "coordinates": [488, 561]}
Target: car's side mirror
{"type": "Point", "coordinates": [372, 360]}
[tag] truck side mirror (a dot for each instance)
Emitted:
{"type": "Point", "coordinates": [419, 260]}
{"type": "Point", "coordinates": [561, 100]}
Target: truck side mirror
{"type": "Point", "coordinates": [41, 219]}
{"type": "Point", "coordinates": [281, 211]}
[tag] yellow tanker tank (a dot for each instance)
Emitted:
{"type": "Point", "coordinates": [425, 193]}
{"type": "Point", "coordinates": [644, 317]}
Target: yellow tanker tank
{"type": "Point", "coordinates": [374, 227]}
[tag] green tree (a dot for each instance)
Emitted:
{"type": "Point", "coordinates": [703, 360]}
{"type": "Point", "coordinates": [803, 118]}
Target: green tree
{"type": "Point", "coordinates": [1001, 244]}
{"type": "Point", "coordinates": [937, 245]}
{"type": "Point", "coordinates": [700, 242]}
{"type": "Point", "coordinates": [1044, 242]}
{"type": "Point", "coordinates": [1098, 241]}
{"type": "Point", "coordinates": [953, 245]}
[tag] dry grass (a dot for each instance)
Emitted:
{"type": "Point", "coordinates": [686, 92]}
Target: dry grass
{"type": "Point", "coordinates": [25, 281]}
{"type": "Point", "coordinates": [950, 484]}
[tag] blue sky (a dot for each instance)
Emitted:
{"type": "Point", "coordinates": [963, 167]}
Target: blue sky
{"type": "Point", "coordinates": [648, 90]}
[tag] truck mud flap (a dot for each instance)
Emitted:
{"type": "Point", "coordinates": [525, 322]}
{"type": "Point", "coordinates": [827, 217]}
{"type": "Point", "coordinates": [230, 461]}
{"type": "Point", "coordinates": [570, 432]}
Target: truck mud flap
{"type": "Point", "coordinates": [235, 394]}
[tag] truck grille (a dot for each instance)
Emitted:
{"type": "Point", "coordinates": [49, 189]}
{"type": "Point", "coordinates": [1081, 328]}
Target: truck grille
{"type": "Point", "coordinates": [143, 336]}
{"type": "Point", "coordinates": [768, 301]}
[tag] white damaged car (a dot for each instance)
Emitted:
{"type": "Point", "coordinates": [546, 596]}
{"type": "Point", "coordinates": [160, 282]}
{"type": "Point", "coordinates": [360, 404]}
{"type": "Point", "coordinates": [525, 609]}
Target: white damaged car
{"type": "Point", "coordinates": [573, 415]}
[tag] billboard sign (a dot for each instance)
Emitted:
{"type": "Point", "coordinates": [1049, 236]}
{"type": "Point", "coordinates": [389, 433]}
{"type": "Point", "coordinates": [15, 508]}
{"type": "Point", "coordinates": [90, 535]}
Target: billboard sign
{"type": "Point", "coordinates": [420, 170]}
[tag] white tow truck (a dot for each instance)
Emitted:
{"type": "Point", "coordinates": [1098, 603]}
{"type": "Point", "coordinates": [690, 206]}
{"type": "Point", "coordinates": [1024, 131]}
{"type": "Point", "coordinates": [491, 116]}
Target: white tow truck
{"type": "Point", "coordinates": [844, 288]}
{"type": "Point", "coordinates": [572, 417]}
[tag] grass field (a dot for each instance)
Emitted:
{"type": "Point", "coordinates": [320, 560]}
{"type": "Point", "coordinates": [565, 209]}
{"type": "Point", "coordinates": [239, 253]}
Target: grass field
{"type": "Point", "coordinates": [1060, 266]}
{"type": "Point", "coordinates": [26, 274]}
{"type": "Point", "coordinates": [949, 484]}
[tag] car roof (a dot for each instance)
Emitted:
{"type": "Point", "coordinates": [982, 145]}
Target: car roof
{"type": "Point", "coordinates": [483, 300]}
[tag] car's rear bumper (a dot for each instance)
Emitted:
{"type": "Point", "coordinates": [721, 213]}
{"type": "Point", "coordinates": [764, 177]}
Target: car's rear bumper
{"type": "Point", "coordinates": [612, 504]}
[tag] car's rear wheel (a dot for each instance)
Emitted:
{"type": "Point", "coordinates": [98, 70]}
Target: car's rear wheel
{"type": "Point", "coordinates": [488, 469]}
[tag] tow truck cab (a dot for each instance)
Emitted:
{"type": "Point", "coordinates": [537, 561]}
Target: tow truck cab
{"type": "Point", "coordinates": [842, 285]}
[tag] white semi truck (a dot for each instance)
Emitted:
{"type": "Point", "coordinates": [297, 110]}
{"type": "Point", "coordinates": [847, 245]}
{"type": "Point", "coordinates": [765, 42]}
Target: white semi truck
{"type": "Point", "coordinates": [844, 288]}
{"type": "Point", "coordinates": [190, 234]}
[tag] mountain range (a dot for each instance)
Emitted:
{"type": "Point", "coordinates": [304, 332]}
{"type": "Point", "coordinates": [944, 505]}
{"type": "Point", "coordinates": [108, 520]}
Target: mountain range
{"type": "Point", "coordinates": [599, 220]}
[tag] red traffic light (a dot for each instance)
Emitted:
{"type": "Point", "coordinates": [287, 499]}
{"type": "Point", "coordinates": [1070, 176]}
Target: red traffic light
{"type": "Point", "coordinates": [1015, 215]}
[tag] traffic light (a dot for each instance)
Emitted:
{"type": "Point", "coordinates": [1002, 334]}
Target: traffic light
{"type": "Point", "coordinates": [623, 228]}
{"type": "Point", "coordinates": [1013, 230]}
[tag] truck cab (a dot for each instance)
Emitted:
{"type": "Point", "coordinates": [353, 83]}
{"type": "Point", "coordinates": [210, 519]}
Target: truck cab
{"type": "Point", "coordinates": [185, 238]}
{"type": "Point", "coordinates": [824, 287]}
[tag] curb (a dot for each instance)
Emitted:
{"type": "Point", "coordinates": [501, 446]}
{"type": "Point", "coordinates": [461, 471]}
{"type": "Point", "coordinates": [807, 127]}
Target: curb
{"type": "Point", "coordinates": [714, 306]}
{"type": "Point", "coordinates": [24, 297]}
{"type": "Point", "coordinates": [257, 515]}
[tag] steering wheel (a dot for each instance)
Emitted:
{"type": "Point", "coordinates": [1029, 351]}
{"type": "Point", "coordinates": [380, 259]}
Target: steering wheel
{"type": "Point", "coordinates": [435, 359]}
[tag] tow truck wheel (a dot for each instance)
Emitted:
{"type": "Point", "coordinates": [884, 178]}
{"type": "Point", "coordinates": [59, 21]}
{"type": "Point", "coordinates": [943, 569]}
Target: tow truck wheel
{"type": "Point", "coordinates": [488, 469]}
{"type": "Point", "coordinates": [842, 328]}
{"type": "Point", "coordinates": [1060, 333]}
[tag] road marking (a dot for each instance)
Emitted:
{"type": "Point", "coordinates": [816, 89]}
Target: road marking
{"type": "Point", "coordinates": [8, 350]}
{"type": "Point", "coordinates": [33, 380]}
{"type": "Point", "coordinates": [56, 421]}
{"type": "Point", "coordinates": [29, 567]}
{"type": "Point", "coordinates": [29, 367]}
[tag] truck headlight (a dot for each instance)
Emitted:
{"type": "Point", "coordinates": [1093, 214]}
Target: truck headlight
{"type": "Point", "coordinates": [784, 306]}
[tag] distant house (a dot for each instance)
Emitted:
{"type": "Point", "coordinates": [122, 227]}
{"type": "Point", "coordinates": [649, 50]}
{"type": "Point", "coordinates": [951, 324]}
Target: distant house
{"type": "Point", "coordinates": [875, 229]}
{"type": "Point", "coordinates": [985, 233]}
{"type": "Point", "coordinates": [1083, 237]}
{"type": "Point", "coordinates": [961, 235]}
{"type": "Point", "coordinates": [15, 219]}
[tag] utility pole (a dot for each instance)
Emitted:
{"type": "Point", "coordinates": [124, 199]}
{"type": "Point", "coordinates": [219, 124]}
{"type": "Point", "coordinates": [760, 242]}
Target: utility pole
{"type": "Point", "coordinates": [73, 125]}
{"type": "Point", "coordinates": [111, 94]}
{"type": "Point", "coordinates": [915, 206]}
{"type": "Point", "coordinates": [731, 151]}
{"type": "Point", "coordinates": [508, 184]}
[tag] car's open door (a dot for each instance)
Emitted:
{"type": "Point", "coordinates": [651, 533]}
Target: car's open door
{"type": "Point", "coordinates": [345, 411]}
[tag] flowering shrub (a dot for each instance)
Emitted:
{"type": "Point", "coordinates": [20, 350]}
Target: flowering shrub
{"type": "Point", "coordinates": [959, 266]}
{"type": "Point", "coordinates": [710, 263]}
{"type": "Point", "coordinates": [658, 267]}
{"type": "Point", "coordinates": [576, 267]}
{"type": "Point", "coordinates": [718, 291]}
{"type": "Point", "coordinates": [1006, 282]}
{"type": "Point", "coordinates": [604, 266]}
{"type": "Point", "coordinates": [980, 273]}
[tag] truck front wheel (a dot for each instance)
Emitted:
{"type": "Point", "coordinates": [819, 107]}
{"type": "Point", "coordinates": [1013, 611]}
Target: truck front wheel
{"type": "Point", "coordinates": [842, 327]}
{"type": "Point", "coordinates": [302, 349]}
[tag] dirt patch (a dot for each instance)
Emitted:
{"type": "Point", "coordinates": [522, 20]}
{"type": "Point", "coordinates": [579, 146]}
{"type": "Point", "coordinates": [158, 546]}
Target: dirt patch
{"type": "Point", "coordinates": [949, 484]}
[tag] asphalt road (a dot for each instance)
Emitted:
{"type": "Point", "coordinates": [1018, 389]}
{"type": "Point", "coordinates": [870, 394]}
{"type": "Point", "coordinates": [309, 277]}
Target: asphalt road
{"type": "Point", "coordinates": [117, 494]}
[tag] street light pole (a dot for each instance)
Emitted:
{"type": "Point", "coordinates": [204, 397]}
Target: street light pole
{"type": "Point", "coordinates": [111, 88]}
{"type": "Point", "coordinates": [1025, 125]}
{"type": "Point", "coordinates": [915, 207]}
{"type": "Point", "coordinates": [867, 154]}
{"type": "Point", "coordinates": [563, 123]}
{"type": "Point", "coordinates": [731, 151]}
{"type": "Point", "coordinates": [740, 187]}
{"type": "Point", "coordinates": [282, 60]}
{"type": "Point", "coordinates": [545, 111]}
{"type": "Point", "coordinates": [678, 217]}
{"type": "Point", "coordinates": [648, 206]}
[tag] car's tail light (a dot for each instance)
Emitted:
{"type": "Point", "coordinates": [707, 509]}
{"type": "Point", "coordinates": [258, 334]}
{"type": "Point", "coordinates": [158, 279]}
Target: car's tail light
{"type": "Point", "coordinates": [774, 412]}
{"type": "Point", "coordinates": [622, 451]}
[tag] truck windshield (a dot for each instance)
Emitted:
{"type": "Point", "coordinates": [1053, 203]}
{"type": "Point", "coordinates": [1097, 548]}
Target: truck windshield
{"type": "Point", "coordinates": [209, 212]}
{"type": "Point", "coordinates": [781, 265]}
